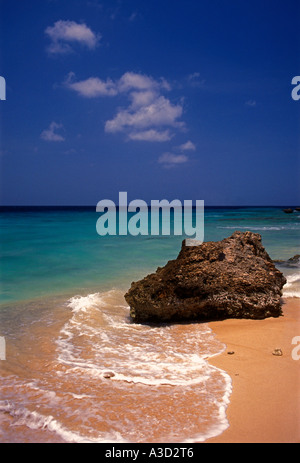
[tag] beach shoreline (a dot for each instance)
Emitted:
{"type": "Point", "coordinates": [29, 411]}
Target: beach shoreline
{"type": "Point", "coordinates": [265, 401]}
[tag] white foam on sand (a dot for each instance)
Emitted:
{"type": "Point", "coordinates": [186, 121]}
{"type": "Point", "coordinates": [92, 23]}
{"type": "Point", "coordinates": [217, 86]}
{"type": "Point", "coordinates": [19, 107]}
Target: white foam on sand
{"type": "Point", "coordinates": [292, 287]}
{"type": "Point", "coordinates": [139, 354]}
{"type": "Point", "coordinates": [37, 421]}
{"type": "Point", "coordinates": [161, 372]}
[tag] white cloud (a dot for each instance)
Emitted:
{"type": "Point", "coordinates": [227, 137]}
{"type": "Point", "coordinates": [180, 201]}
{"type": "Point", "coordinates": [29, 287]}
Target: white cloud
{"type": "Point", "coordinates": [64, 33]}
{"type": "Point", "coordinates": [92, 87]}
{"type": "Point", "coordinates": [149, 110]}
{"type": "Point", "coordinates": [188, 146]}
{"type": "Point", "coordinates": [131, 80]}
{"type": "Point", "coordinates": [50, 133]}
{"type": "Point", "coordinates": [151, 135]}
{"type": "Point", "coordinates": [134, 81]}
{"type": "Point", "coordinates": [170, 159]}
{"type": "Point", "coordinates": [161, 112]}
{"type": "Point", "coordinates": [142, 98]}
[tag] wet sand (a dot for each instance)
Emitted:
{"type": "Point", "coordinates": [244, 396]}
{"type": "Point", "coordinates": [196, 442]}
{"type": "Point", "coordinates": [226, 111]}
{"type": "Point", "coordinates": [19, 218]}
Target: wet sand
{"type": "Point", "coordinates": [265, 402]}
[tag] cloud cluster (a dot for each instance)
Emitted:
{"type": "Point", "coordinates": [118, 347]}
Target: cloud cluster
{"type": "Point", "coordinates": [149, 115]}
{"type": "Point", "coordinates": [64, 34]}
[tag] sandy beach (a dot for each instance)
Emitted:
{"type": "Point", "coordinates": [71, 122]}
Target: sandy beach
{"type": "Point", "coordinates": [265, 402]}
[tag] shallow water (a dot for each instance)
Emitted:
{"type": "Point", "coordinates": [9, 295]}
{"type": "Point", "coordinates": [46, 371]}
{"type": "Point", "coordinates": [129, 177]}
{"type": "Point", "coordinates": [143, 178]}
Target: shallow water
{"type": "Point", "coordinates": [53, 388]}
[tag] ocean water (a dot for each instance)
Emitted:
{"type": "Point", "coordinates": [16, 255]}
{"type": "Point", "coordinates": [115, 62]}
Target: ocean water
{"type": "Point", "coordinates": [77, 369]}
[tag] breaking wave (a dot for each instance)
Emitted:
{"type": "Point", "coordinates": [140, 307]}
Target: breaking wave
{"type": "Point", "coordinates": [106, 379]}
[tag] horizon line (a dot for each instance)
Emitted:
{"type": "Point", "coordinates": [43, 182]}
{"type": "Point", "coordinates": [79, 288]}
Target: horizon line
{"type": "Point", "coordinates": [149, 205]}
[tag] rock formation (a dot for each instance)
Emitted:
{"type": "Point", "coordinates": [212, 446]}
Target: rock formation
{"type": "Point", "coordinates": [232, 278]}
{"type": "Point", "coordinates": [290, 263]}
{"type": "Point", "coordinates": [295, 259]}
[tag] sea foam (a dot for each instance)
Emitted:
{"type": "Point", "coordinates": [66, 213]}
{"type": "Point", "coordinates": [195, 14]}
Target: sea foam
{"type": "Point", "coordinates": [292, 287]}
{"type": "Point", "coordinates": [174, 356]}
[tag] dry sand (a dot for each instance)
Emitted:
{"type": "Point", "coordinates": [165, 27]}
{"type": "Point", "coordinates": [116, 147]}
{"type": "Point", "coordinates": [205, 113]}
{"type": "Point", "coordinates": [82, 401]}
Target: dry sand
{"type": "Point", "coordinates": [265, 402]}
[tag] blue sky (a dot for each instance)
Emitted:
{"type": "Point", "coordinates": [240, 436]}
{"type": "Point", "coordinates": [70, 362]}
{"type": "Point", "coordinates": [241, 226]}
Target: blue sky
{"type": "Point", "coordinates": [162, 99]}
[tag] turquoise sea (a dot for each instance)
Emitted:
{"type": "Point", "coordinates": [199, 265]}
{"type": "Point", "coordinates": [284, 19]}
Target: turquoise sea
{"type": "Point", "coordinates": [46, 251]}
{"type": "Point", "coordinates": [66, 326]}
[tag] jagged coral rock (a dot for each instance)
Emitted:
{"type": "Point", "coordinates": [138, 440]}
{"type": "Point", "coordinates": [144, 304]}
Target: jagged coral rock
{"type": "Point", "coordinates": [232, 278]}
